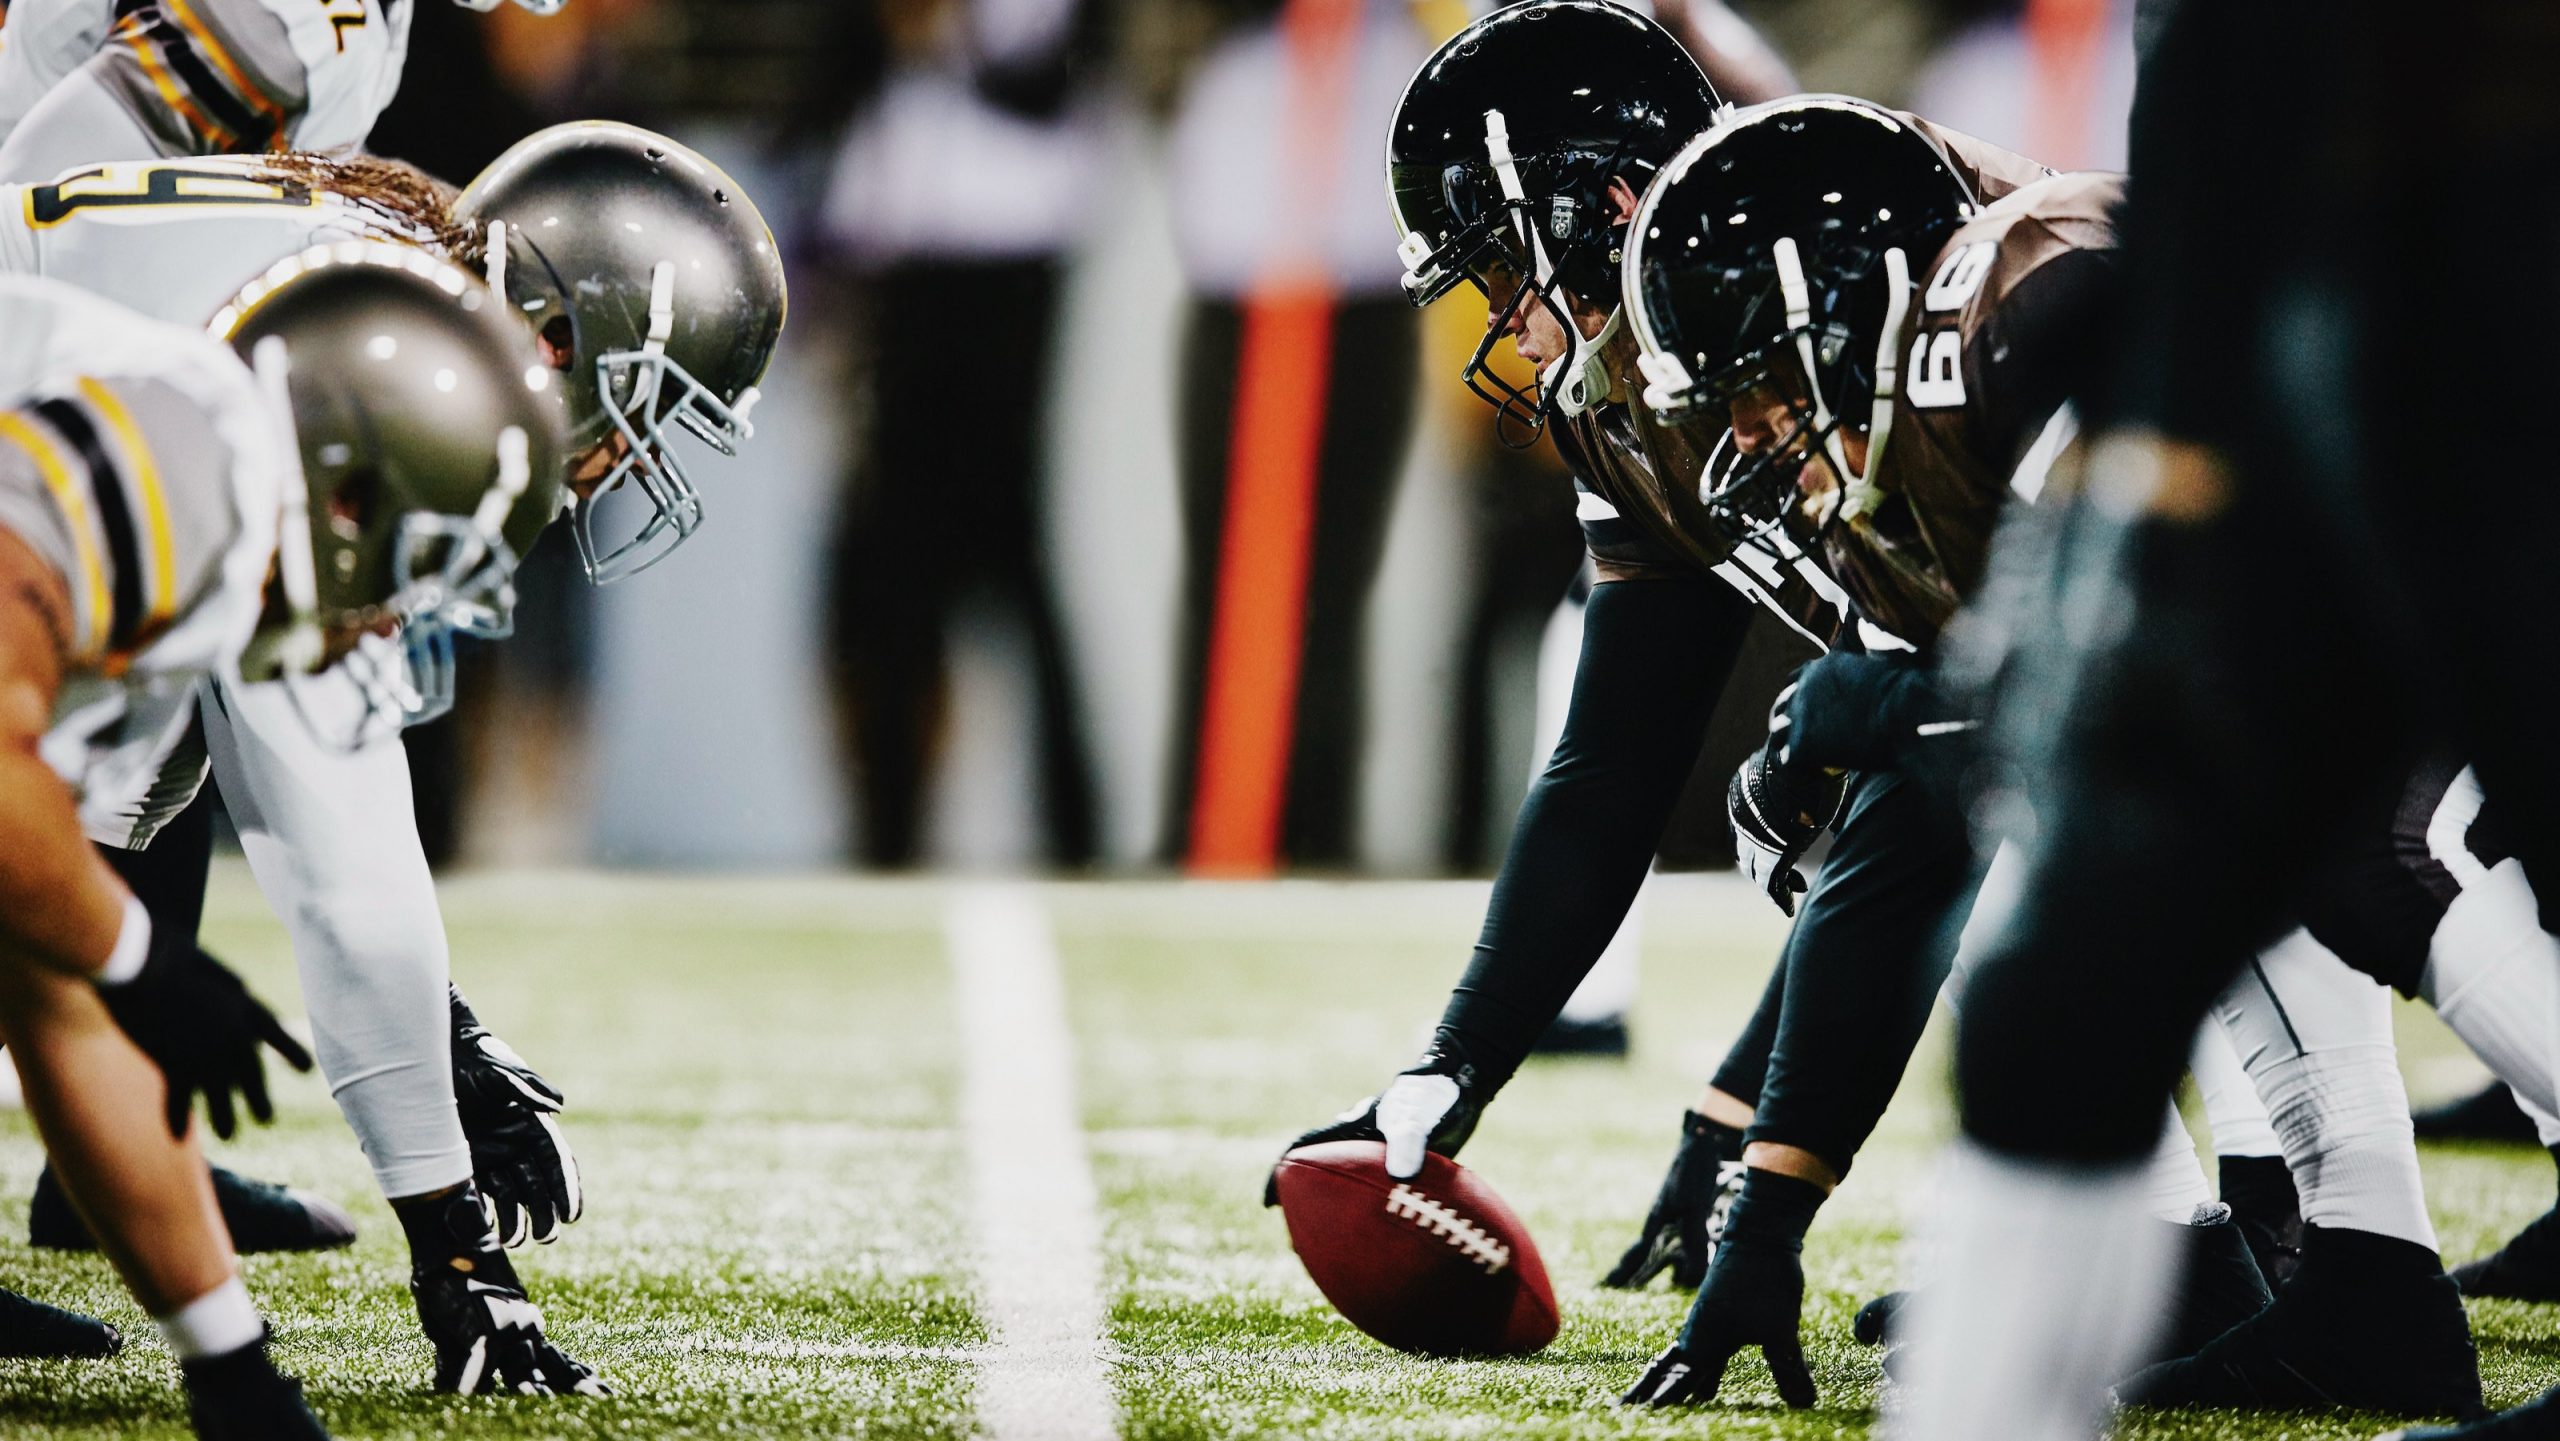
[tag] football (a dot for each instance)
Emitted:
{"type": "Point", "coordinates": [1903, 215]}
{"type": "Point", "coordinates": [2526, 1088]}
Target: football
{"type": "Point", "coordinates": [1436, 1265]}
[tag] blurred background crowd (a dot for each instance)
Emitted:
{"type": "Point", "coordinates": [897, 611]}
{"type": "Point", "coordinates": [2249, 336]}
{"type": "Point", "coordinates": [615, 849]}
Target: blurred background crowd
{"type": "Point", "coordinates": [1108, 506]}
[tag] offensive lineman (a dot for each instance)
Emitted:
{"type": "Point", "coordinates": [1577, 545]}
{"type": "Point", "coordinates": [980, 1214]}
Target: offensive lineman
{"type": "Point", "coordinates": [2283, 440]}
{"type": "Point", "coordinates": [331, 835]}
{"type": "Point", "coordinates": [86, 80]}
{"type": "Point", "coordinates": [1765, 285]}
{"type": "Point", "coordinates": [167, 517]}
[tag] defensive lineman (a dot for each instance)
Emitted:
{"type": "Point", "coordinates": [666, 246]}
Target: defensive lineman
{"type": "Point", "coordinates": [161, 525]}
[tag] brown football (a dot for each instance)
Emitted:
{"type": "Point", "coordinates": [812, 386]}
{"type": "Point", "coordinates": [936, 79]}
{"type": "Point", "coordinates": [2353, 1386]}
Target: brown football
{"type": "Point", "coordinates": [1437, 1264]}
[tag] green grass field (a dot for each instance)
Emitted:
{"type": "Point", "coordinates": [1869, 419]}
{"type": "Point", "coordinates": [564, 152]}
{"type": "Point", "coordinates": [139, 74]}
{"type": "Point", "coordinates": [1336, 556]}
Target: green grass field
{"type": "Point", "coordinates": [764, 1086]}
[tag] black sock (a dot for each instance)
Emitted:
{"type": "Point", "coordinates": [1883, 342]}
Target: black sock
{"type": "Point", "coordinates": [451, 1230]}
{"type": "Point", "coordinates": [247, 1367]}
{"type": "Point", "coordinates": [2366, 1254]}
{"type": "Point", "coordinates": [1727, 1140]}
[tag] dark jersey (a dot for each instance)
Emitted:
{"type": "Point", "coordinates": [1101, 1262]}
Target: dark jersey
{"type": "Point", "coordinates": [1639, 504]}
{"type": "Point", "coordinates": [2010, 320]}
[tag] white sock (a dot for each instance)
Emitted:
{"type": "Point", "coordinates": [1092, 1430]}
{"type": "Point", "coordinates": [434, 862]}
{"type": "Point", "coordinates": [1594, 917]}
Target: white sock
{"type": "Point", "coordinates": [1609, 991]}
{"type": "Point", "coordinates": [217, 1323]}
{"type": "Point", "coordinates": [2316, 1039]}
{"type": "Point", "coordinates": [2232, 1110]}
{"type": "Point", "coordinates": [2050, 1285]}
{"type": "Point", "coordinates": [2493, 975]}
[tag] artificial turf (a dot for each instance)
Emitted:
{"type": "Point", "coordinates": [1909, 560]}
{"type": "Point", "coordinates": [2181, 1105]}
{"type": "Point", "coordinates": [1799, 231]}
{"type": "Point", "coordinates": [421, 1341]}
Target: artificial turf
{"type": "Point", "coordinates": [764, 1092]}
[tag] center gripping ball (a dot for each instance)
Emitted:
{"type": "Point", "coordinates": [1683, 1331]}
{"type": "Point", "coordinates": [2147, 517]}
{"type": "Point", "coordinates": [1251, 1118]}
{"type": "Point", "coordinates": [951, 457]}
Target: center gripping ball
{"type": "Point", "coordinates": [1436, 1265]}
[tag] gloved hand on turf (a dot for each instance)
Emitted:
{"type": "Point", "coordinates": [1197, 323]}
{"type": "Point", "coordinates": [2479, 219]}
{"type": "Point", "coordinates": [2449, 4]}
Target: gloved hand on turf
{"type": "Point", "coordinates": [1688, 1215]}
{"type": "Point", "coordinates": [199, 1024]}
{"type": "Point", "coordinates": [1753, 1296]}
{"type": "Point", "coordinates": [520, 1161]}
{"type": "Point", "coordinates": [1779, 809]}
{"type": "Point", "coordinates": [487, 1333]}
{"type": "Point", "coordinates": [1431, 1106]}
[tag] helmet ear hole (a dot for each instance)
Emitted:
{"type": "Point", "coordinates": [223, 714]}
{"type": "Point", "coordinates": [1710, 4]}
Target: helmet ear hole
{"type": "Point", "coordinates": [559, 337]}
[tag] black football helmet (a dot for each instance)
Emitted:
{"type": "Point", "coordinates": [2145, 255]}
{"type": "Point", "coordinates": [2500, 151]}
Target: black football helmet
{"type": "Point", "coordinates": [1780, 249]}
{"type": "Point", "coordinates": [1501, 154]}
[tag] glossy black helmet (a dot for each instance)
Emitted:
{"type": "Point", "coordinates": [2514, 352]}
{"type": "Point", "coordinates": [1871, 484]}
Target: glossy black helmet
{"type": "Point", "coordinates": [1780, 250]}
{"type": "Point", "coordinates": [1502, 153]}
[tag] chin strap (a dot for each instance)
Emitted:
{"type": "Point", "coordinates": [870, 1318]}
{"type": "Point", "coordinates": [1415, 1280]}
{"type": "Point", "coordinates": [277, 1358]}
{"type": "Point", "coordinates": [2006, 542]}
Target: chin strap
{"type": "Point", "coordinates": [1581, 380]}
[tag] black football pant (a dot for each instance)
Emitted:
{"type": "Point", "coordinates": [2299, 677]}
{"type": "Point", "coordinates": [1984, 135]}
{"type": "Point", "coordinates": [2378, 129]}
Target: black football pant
{"type": "Point", "coordinates": [1859, 974]}
{"type": "Point", "coordinates": [2223, 679]}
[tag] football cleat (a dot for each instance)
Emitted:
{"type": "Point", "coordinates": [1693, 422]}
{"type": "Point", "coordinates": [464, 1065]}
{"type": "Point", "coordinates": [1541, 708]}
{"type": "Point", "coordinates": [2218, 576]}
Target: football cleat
{"type": "Point", "coordinates": [261, 1216]}
{"type": "Point", "coordinates": [243, 1397]}
{"type": "Point", "coordinates": [2259, 1190]}
{"type": "Point", "coordinates": [2368, 1323]}
{"type": "Point", "coordinates": [486, 1332]}
{"type": "Point", "coordinates": [2219, 1287]}
{"type": "Point", "coordinates": [2527, 1268]}
{"type": "Point", "coordinates": [31, 1330]}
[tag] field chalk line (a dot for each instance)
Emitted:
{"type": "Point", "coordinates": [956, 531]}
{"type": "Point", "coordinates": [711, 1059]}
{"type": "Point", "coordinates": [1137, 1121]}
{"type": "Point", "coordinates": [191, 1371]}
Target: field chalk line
{"type": "Point", "coordinates": [1047, 1376]}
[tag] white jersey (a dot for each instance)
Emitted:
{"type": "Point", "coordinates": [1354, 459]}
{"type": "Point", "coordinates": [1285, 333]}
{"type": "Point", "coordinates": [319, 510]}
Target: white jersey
{"type": "Point", "coordinates": [210, 77]}
{"type": "Point", "coordinates": [173, 239]}
{"type": "Point", "coordinates": [144, 463]}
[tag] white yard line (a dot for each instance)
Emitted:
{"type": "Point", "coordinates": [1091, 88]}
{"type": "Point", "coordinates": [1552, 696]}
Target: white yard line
{"type": "Point", "coordinates": [1046, 1378]}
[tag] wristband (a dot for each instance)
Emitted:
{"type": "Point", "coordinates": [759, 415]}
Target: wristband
{"type": "Point", "coordinates": [133, 946]}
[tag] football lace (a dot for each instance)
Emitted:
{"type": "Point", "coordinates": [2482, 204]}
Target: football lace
{"type": "Point", "coordinates": [1448, 1225]}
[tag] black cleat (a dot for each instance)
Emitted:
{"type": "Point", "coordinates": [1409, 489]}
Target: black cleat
{"type": "Point", "coordinates": [2259, 1191]}
{"type": "Point", "coordinates": [262, 1217]}
{"type": "Point", "coordinates": [34, 1331]}
{"type": "Point", "coordinates": [2219, 1288]}
{"type": "Point", "coordinates": [243, 1397]}
{"type": "Point", "coordinates": [2490, 1114]}
{"type": "Point", "coordinates": [2535, 1420]}
{"type": "Point", "coordinates": [2527, 1268]}
{"type": "Point", "coordinates": [2368, 1324]}
{"type": "Point", "coordinates": [1606, 1039]}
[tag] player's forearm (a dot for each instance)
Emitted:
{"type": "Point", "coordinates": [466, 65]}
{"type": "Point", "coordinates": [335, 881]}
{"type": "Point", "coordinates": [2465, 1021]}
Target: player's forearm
{"type": "Point", "coordinates": [60, 906]}
{"type": "Point", "coordinates": [97, 1101]}
{"type": "Point", "coordinates": [1654, 659]}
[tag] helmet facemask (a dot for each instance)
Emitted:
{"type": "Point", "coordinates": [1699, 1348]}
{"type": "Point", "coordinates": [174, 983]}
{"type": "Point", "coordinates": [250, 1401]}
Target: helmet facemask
{"type": "Point", "coordinates": [1494, 221]}
{"type": "Point", "coordinates": [638, 394]}
{"type": "Point", "coordinates": [1755, 498]}
{"type": "Point", "coordinates": [644, 392]}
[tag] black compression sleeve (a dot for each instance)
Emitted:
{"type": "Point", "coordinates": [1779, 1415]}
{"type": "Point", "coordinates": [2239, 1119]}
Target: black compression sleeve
{"type": "Point", "coordinates": [1655, 656]}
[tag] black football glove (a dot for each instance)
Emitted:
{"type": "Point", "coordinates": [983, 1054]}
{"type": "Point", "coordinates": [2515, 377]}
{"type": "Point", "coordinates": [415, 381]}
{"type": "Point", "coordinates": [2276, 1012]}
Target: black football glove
{"type": "Point", "coordinates": [519, 1160]}
{"type": "Point", "coordinates": [1863, 712]}
{"type": "Point", "coordinates": [1687, 1219]}
{"type": "Point", "coordinates": [1779, 809]}
{"type": "Point", "coordinates": [200, 1025]}
{"type": "Point", "coordinates": [1431, 1106]}
{"type": "Point", "coordinates": [486, 1332]}
{"type": "Point", "coordinates": [1753, 1296]}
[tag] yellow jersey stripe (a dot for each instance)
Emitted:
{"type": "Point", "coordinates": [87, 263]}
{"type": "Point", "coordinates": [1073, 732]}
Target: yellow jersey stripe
{"type": "Point", "coordinates": [159, 540]}
{"type": "Point", "coordinates": [75, 516]}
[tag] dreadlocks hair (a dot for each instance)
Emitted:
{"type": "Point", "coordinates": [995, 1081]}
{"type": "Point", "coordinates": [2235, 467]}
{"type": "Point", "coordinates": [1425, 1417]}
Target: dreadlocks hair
{"type": "Point", "coordinates": [407, 203]}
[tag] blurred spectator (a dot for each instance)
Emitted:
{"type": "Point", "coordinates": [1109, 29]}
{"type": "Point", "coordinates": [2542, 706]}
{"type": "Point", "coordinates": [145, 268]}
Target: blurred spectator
{"type": "Point", "coordinates": [1297, 394]}
{"type": "Point", "coordinates": [958, 188]}
{"type": "Point", "coordinates": [2052, 79]}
